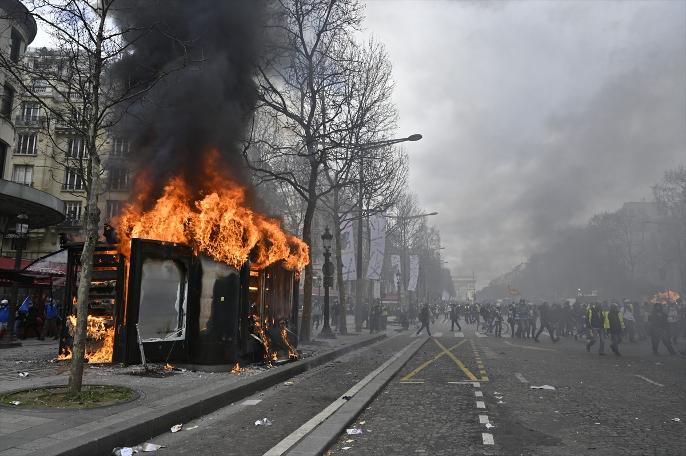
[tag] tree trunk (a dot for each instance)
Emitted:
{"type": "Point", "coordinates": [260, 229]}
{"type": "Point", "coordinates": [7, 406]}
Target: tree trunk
{"type": "Point", "coordinates": [304, 334]}
{"type": "Point", "coordinates": [342, 306]}
{"type": "Point", "coordinates": [92, 220]}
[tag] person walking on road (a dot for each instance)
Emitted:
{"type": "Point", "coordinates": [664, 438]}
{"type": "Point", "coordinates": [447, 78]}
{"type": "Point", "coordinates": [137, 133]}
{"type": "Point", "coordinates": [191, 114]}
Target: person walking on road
{"type": "Point", "coordinates": [424, 319]}
{"type": "Point", "coordinates": [616, 323]}
{"type": "Point", "coordinates": [659, 329]}
{"type": "Point", "coordinates": [596, 323]}
{"type": "Point", "coordinates": [454, 319]}
{"type": "Point", "coordinates": [544, 315]}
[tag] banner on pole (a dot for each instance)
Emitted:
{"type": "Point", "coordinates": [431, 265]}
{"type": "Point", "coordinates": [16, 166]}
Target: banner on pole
{"type": "Point", "coordinates": [349, 268]}
{"type": "Point", "coordinates": [377, 246]}
{"type": "Point", "coordinates": [414, 273]}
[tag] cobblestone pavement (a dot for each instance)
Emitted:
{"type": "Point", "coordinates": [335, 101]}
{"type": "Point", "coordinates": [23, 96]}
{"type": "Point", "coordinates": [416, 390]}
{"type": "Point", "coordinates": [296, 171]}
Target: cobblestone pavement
{"type": "Point", "coordinates": [600, 405]}
{"type": "Point", "coordinates": [232, 430]}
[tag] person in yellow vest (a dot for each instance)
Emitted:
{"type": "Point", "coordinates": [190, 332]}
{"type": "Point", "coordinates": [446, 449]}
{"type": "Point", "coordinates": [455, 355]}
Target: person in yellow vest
{"type": "Point", "coordinates": [616, 326]}
{"type": "Point", "coordinates": [596, 323]}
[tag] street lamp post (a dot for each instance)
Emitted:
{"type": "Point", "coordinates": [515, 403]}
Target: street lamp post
{"type": "Point", "coordinates": [360, 201]}
{"type": "Point", "coordinates": [327, 272]}
{"type": "Point", "coordinates": [21, 230]}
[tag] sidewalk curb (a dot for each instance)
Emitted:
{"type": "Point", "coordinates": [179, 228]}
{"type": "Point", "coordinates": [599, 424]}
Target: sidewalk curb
{"type": "Point", "coordinates": [326, 434]}
{"type": "Point", "coordinates": [141, 428]}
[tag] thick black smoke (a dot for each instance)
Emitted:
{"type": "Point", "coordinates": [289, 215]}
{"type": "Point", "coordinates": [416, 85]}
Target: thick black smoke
{"type": "Point", "coordinates": [202, 53]}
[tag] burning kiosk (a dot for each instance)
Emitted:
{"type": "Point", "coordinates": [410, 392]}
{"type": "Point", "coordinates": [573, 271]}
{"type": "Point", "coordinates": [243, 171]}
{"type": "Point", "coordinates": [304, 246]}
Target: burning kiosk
{"type": "Point", "coordinates": [197, 279]}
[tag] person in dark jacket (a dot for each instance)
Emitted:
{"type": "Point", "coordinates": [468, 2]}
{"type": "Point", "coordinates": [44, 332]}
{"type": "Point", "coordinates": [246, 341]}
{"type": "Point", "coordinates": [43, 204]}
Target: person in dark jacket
{"type": "Point", "coordinates": [616, 328]}
{"type": "Point", "coordinates": [424, 316]}
{"type": "Point", "coordinates": [544, 315]}
{"type": "Point", "coordinates": [454, 319]}
{"type": "Point", "coordinates": [596, 323]}
{"type": "Point", "coordinates": [659, 329]}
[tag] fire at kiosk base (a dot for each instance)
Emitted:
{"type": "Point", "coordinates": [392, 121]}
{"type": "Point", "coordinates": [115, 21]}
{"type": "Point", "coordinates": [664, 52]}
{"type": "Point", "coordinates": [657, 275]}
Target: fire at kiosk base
{"type": "Point", "coordinates": [185, 307]}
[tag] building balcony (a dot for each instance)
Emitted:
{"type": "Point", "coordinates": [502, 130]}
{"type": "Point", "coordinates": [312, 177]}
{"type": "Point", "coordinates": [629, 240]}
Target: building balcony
{"type": "Point", "coordinates": [35, 122]}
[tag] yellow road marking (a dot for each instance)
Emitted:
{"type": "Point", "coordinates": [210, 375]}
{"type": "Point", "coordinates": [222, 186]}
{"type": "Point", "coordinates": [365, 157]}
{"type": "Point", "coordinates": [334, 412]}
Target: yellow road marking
{"type": "Point", "coordinates": [427, 363]}
{"type": "Point", "coordinates": [459, 363]}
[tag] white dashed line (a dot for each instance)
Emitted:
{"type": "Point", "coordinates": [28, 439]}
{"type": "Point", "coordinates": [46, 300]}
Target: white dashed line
{"type": "Point", "coordinates": [476, 384]}
{"type": "Point", "coordinates": [413, 382]}
{"type": "Point", "coordinates": [487, 438]}
{"type": "Point", "coordinates": [521, 378]}
{"type": "Point", "coordinates": [480, 405]}
{"type": "Point", "coordinates": [483, 419]}
{"type": "Point", "coordinates": [478, 394]}
{"type": "Point", "coordinates": [649, 380]}
{"type": "Point", "coordinates": [252, 402]}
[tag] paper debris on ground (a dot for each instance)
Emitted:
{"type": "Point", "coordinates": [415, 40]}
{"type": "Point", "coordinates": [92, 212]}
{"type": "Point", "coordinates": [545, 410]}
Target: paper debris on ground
{"type": "Point", "coordinates": [176, 427]}
{"type": "Point", "coordinates": [263, 422]}
{"type": "Point", "coordinates": [125, 451]}
{"type": "Point", "coordinates": [289, 383]}
{"type": "Point", "coordinates": [676, 419]}
{"type": "Point", "coordinates": [346, 448]}
{"type": "Point", "coordinates": [149, 447]}
{"type": "Point", "coordinates": [23, 374]}
{"type": "Point", "coordinates": [353, 431]}
{"type": "Point", "coordinates": [349, 441]}
{"type": "Point", "coordinates": [500, 402]}
{"type": "Point", "coordinates": [190, 428]}
{"type": "Point", "coordinates": [543, 387]}
{"type": "Point", "coordinates": [15, 402]}
{"type": "Point", "coordinates": [362, 423]}
{"type": "Point", "coordinates": [489, 426]}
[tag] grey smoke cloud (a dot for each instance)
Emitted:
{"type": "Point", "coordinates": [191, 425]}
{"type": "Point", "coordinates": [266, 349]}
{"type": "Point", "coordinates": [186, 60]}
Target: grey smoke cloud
{"type": "Point", "coordinates": [535, 115]}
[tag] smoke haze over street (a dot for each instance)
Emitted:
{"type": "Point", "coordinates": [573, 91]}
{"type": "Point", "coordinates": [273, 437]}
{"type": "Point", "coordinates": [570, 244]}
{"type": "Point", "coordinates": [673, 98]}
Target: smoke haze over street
{"type": "Point", "coordinates": [535, 115]}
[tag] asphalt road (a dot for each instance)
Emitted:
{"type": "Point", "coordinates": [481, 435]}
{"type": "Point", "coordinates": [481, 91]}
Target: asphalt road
{"type": "Point", "coordinates": [232, 430]}
{"type": "Point", "coordinates": [469, 394]}
{"type": "Point", "coordinates": [477, 400]}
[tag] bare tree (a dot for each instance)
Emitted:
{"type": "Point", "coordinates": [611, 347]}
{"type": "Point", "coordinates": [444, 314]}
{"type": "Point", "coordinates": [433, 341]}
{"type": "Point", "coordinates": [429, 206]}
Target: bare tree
{"type": "Point", "coordinates": [87, 43]}
{"type": "Point", "coordinates": [301, 88]}
{"type": "Point", "coordinates": [671, 195]}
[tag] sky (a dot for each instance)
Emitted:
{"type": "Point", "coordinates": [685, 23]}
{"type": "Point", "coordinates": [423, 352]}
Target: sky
{"type": "Point", "coordinates": [535, 114]}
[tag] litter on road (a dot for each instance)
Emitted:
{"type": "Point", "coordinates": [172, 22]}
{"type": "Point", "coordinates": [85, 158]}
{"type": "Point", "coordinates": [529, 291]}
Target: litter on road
{"type": "Point", "coordinates": [190, 428]}
{"type": "Point", "coordinates": [353, 431]}
{"type": "Point", "coordinates": [543, 387]}
{"type": "Point", "coordinates": [15, 402]}
{"type": "Point", "coordinates": [23, 374]}
{"type": "Point", "coordinates": [263, 422]}
{"type": "Point", "coordinates": [289, 383]}
{"type": "Point", "coordinates": [676, 419]}
{"type": "Point", "coordinates": [176, 427]}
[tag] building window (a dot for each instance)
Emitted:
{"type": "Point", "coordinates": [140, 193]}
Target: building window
{"type": "Point", "coordinates": [72, 179]}
{"type": "Point", "coordinates": [7, 101]}
{"type": "Point", "coordinates": [15, 46]}
{"type": "Point", "coordinates": [72, 212]}
{"type": "Point", "coordinates": [23, 174]}
{"type": "Point", "coordinates": [30, 111]}
{"type": "Point", "coordinates": [113, 209]}
{"type": "Point", "coordinates": [76, 148]}
{"type": "Point", "coordinates": [120, 147]}
{"type": "Point", "coordinates": [119, 179]}
{"type": "Point", "coordinates": [26, 144]}
{"type": "Point", "coordinates": [40, 86]}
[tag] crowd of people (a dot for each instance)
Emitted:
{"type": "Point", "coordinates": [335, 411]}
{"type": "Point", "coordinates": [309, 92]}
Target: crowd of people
{"type": "Point", "coordinates": [593, 322]}
{"type": "Point", "coordinates": [37, 316]}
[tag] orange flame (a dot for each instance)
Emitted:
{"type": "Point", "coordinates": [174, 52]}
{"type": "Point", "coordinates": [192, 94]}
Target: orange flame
{"type": "Point", "coordinates": [292, 352]}
{"type": "Point", "coordinates": [168, 367]}
{"type": "Point", "coordinates": [236, 369]}
{"type": "Point", "coordinates": [218, 223]}
{"type": "Point", "coordinates": [99, 342]}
